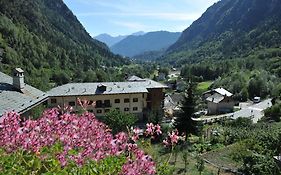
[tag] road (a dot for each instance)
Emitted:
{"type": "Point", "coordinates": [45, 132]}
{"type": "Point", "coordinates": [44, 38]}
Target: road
{"type": "Point", "coordinates": [254, 111]}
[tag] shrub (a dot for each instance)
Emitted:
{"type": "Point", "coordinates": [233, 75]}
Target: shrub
{"type": "Point", "coordinates": [60, 143]}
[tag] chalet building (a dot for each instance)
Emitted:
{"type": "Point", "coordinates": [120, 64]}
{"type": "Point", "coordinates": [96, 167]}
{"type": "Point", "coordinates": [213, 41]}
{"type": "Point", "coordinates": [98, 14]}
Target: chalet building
{"type": "Point", "coordinates": [17, 96]}
{"type": "Point", "coordinates": [219, 101]}
{"type": "Point", "coordinates": [136, 95]}
{"type": "Point", "coordinates": [172, 103]}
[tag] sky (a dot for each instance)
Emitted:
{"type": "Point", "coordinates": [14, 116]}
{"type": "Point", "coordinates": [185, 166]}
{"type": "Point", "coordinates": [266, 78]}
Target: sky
{"type": "Point", "coordinates": [123, 17]}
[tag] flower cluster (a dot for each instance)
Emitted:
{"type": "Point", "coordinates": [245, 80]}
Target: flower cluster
{"type": "Point", "coordinates": [153, 130]}
{"type": "Point", "coordinates": [172, 139]}
{"type": "Point", "coordinates": [91, 139]}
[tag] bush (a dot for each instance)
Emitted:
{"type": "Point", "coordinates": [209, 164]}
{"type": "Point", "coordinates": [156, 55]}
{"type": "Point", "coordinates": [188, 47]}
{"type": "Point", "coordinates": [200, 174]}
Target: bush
{"type": "Point", "coordinates": [67, 143]}
{"type": "Point", "coordinates": [119, 121]}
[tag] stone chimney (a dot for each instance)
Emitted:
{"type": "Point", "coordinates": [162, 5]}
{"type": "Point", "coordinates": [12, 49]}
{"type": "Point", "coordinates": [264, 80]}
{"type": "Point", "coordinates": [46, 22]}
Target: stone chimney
{"type": "Point", "coordinates": [18, 79]}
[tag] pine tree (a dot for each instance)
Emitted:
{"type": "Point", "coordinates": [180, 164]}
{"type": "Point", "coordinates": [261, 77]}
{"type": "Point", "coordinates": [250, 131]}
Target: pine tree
{"type": "Point", "coordinates": [183, 122]}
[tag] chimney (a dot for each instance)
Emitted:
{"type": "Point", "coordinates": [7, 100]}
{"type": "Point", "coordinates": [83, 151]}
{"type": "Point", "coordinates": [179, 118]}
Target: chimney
{"type": "Point", "coordinates": [18, 79]}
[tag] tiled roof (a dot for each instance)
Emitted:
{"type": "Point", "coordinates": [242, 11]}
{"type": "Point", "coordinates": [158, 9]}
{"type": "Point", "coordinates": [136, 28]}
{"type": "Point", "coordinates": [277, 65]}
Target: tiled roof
{"type": "Point", "coordinates": [79, 89]}
{"type": "Point", "coordinates": [13, 100]}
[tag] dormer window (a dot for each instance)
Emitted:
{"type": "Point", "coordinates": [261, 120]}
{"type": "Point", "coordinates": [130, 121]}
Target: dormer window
{"type": "Point", "coordinates": [102, 87]}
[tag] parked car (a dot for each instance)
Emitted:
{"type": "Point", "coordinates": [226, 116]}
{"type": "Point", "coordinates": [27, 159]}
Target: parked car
{"type": "Point", "coordinates": [257, 99]}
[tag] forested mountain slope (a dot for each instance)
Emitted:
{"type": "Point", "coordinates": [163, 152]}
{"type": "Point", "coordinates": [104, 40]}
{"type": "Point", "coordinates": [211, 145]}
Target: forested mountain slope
{"type": "Point", "coordinates": [231, 29]}
{"type": "Point", "coordinates": [49, 43]}
{"type": "Point", "coordinates": [151, 41]}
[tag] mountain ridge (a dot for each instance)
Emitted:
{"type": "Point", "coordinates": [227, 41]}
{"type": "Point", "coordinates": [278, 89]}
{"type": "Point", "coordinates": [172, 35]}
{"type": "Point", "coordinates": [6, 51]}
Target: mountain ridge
{"type": "Point", "coordinates": [151, 41]}
{"type": "Point", "coordinates": [46, 39]}
{"type": "Point", "coordinates": [228, 27]}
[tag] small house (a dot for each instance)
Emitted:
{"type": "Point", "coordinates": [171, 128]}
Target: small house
{"type": "Point", "coordinates": [219, 101]}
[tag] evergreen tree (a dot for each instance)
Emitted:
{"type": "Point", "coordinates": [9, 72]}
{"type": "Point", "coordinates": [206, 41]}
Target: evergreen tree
{"type": "Point", "coordinates": [183, 122]}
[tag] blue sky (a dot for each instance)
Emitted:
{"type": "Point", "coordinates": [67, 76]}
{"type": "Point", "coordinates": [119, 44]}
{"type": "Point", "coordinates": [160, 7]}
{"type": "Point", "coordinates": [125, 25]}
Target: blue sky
{"type": "Point", "coordinates": [122, 17]}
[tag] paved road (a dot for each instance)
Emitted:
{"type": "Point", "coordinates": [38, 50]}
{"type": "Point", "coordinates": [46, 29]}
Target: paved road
{"type": "Point", "coordinates": [254, 111]}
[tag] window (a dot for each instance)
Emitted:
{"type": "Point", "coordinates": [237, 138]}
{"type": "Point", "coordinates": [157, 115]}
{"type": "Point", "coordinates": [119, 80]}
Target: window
{"type": "Point", "coordinates": [91, 102]}
{"type": "Point", "coordinates": [135, 99]}
{"type": "Point", "coordinates": [135, 108]}
{"type": "Point", "coordinates": [53, 100]}
{"type": "Point", "coordinates": [107, 103]}
{"type": "Point", "coordinates": [99, 111]}
{"type": "Point", "coordinates": [117, 100]}
{"type": "Point", "coordinates": [106, 110]}
{"type": "Point", "coordinates": [126, 100]}
{"type": "Point", "coordinates": [91, 110]}
{"type": "Point", "coordinates": [71, 103]}
{"type": "Point", "coordinates": [118, 109]}
{"type": "Point", "coordinates": [126, 109]}
{"type": "Point", "coordinates": [99, 104]}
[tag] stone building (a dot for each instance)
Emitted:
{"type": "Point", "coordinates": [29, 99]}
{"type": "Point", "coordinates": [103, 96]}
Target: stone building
{"type": "Point", "coordinates": [137, 96]}
{"type": "Point", "coordinates": [219, 101]}
{"type": "Point", "coordinates": [17, 96]}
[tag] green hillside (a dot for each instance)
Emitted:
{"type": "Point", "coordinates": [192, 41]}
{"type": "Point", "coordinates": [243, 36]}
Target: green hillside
{"type": "Point", "coordinates": [49, 43]}
{"type": "Point", "coordinates": [231, 29]}
{"type": "Point", "coordinates": [153, 41]}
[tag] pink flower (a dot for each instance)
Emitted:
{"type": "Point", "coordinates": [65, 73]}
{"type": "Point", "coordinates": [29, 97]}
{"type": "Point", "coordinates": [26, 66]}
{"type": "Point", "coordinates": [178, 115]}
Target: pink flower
{"type": "Point", "coordinates": [158, 129]}
{"type": "Point", "coordinates": [84, 133]}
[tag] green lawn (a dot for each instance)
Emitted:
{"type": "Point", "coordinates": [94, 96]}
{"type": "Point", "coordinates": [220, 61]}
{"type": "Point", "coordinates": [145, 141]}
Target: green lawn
{"type": "Point", "coordinates": [203, 86]}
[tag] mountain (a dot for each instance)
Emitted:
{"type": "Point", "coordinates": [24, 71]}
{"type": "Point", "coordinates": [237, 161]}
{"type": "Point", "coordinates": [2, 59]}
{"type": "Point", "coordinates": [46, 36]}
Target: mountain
{"type": "Point", "coordinates": [138, 33]}
{"type": "Point", "coordinates": [45, 39]}
{"type": "Point", "coordinates": [152, 41]}
{"type": "Point", "coordinates": [230, 29]}
{"type": "Point", "coordinates": [110, 40]}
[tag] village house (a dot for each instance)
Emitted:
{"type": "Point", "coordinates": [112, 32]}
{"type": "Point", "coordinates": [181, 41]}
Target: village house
{"type": "Point", "coordinates": [17, 96]}
{"type": "Point", "coordinates": [219, 101]}
{"type": "Point", "coordinates": [172, 103]}
{"type": "Point", "coordinates": [136, 95]}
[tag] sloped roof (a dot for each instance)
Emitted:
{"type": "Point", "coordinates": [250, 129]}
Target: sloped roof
{"type": "Point", "coordinates": [215, 98]}
{"type": "Point", "coordinates": [135, 78]}
{"type": "Point", "coordinates": [79, 89]}
{"type": "Point", "coordinates": [220, 91]}
{"type": "Point", "coordinates": [168, 102]}
{"type": "Point", "coordinates": [13, 100]}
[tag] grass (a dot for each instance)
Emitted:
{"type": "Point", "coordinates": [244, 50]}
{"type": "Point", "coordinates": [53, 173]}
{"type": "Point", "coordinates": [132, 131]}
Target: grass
{"type": "Point", "coordinates": [203, 86]}
{"type": "Point", "coordinates": [222, 157]}
{"type": "Point", "coordinates": [176, 161]}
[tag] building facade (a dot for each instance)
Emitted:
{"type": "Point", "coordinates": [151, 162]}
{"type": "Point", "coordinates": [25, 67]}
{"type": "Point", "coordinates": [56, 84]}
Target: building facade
{"type": "Point", "coordinates": [136, 96]}
{"type": "Point", "coordinates": [219, 101]}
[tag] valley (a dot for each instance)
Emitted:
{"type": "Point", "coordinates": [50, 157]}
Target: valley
{"type": "Point", "coordinates": [203, 100]}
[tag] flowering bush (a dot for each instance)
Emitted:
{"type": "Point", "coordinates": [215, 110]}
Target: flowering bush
{"type": "Point", "coordinates": [80, 139]}
{"type": "Point", "coordinates": [172, 139]}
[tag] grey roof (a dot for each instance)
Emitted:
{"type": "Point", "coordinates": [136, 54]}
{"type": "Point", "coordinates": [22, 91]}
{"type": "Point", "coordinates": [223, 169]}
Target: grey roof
{"type": "Point", "coordinates": [19, 70]}
{"type": "Point", "coordinates": [78, 89]}
{"type": "Point", "coordinates": [220, 91]}
{"type": "Point", "coordinates": [13, 100]}
{"type": "Point", "coordinates": [215, 98]}
{"type": "Point", "coordinates": [135, 78]}
{"type": "Point", "coordinates": [168, 102]}
{"type": "Point", "coordinates": [177, 97]}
